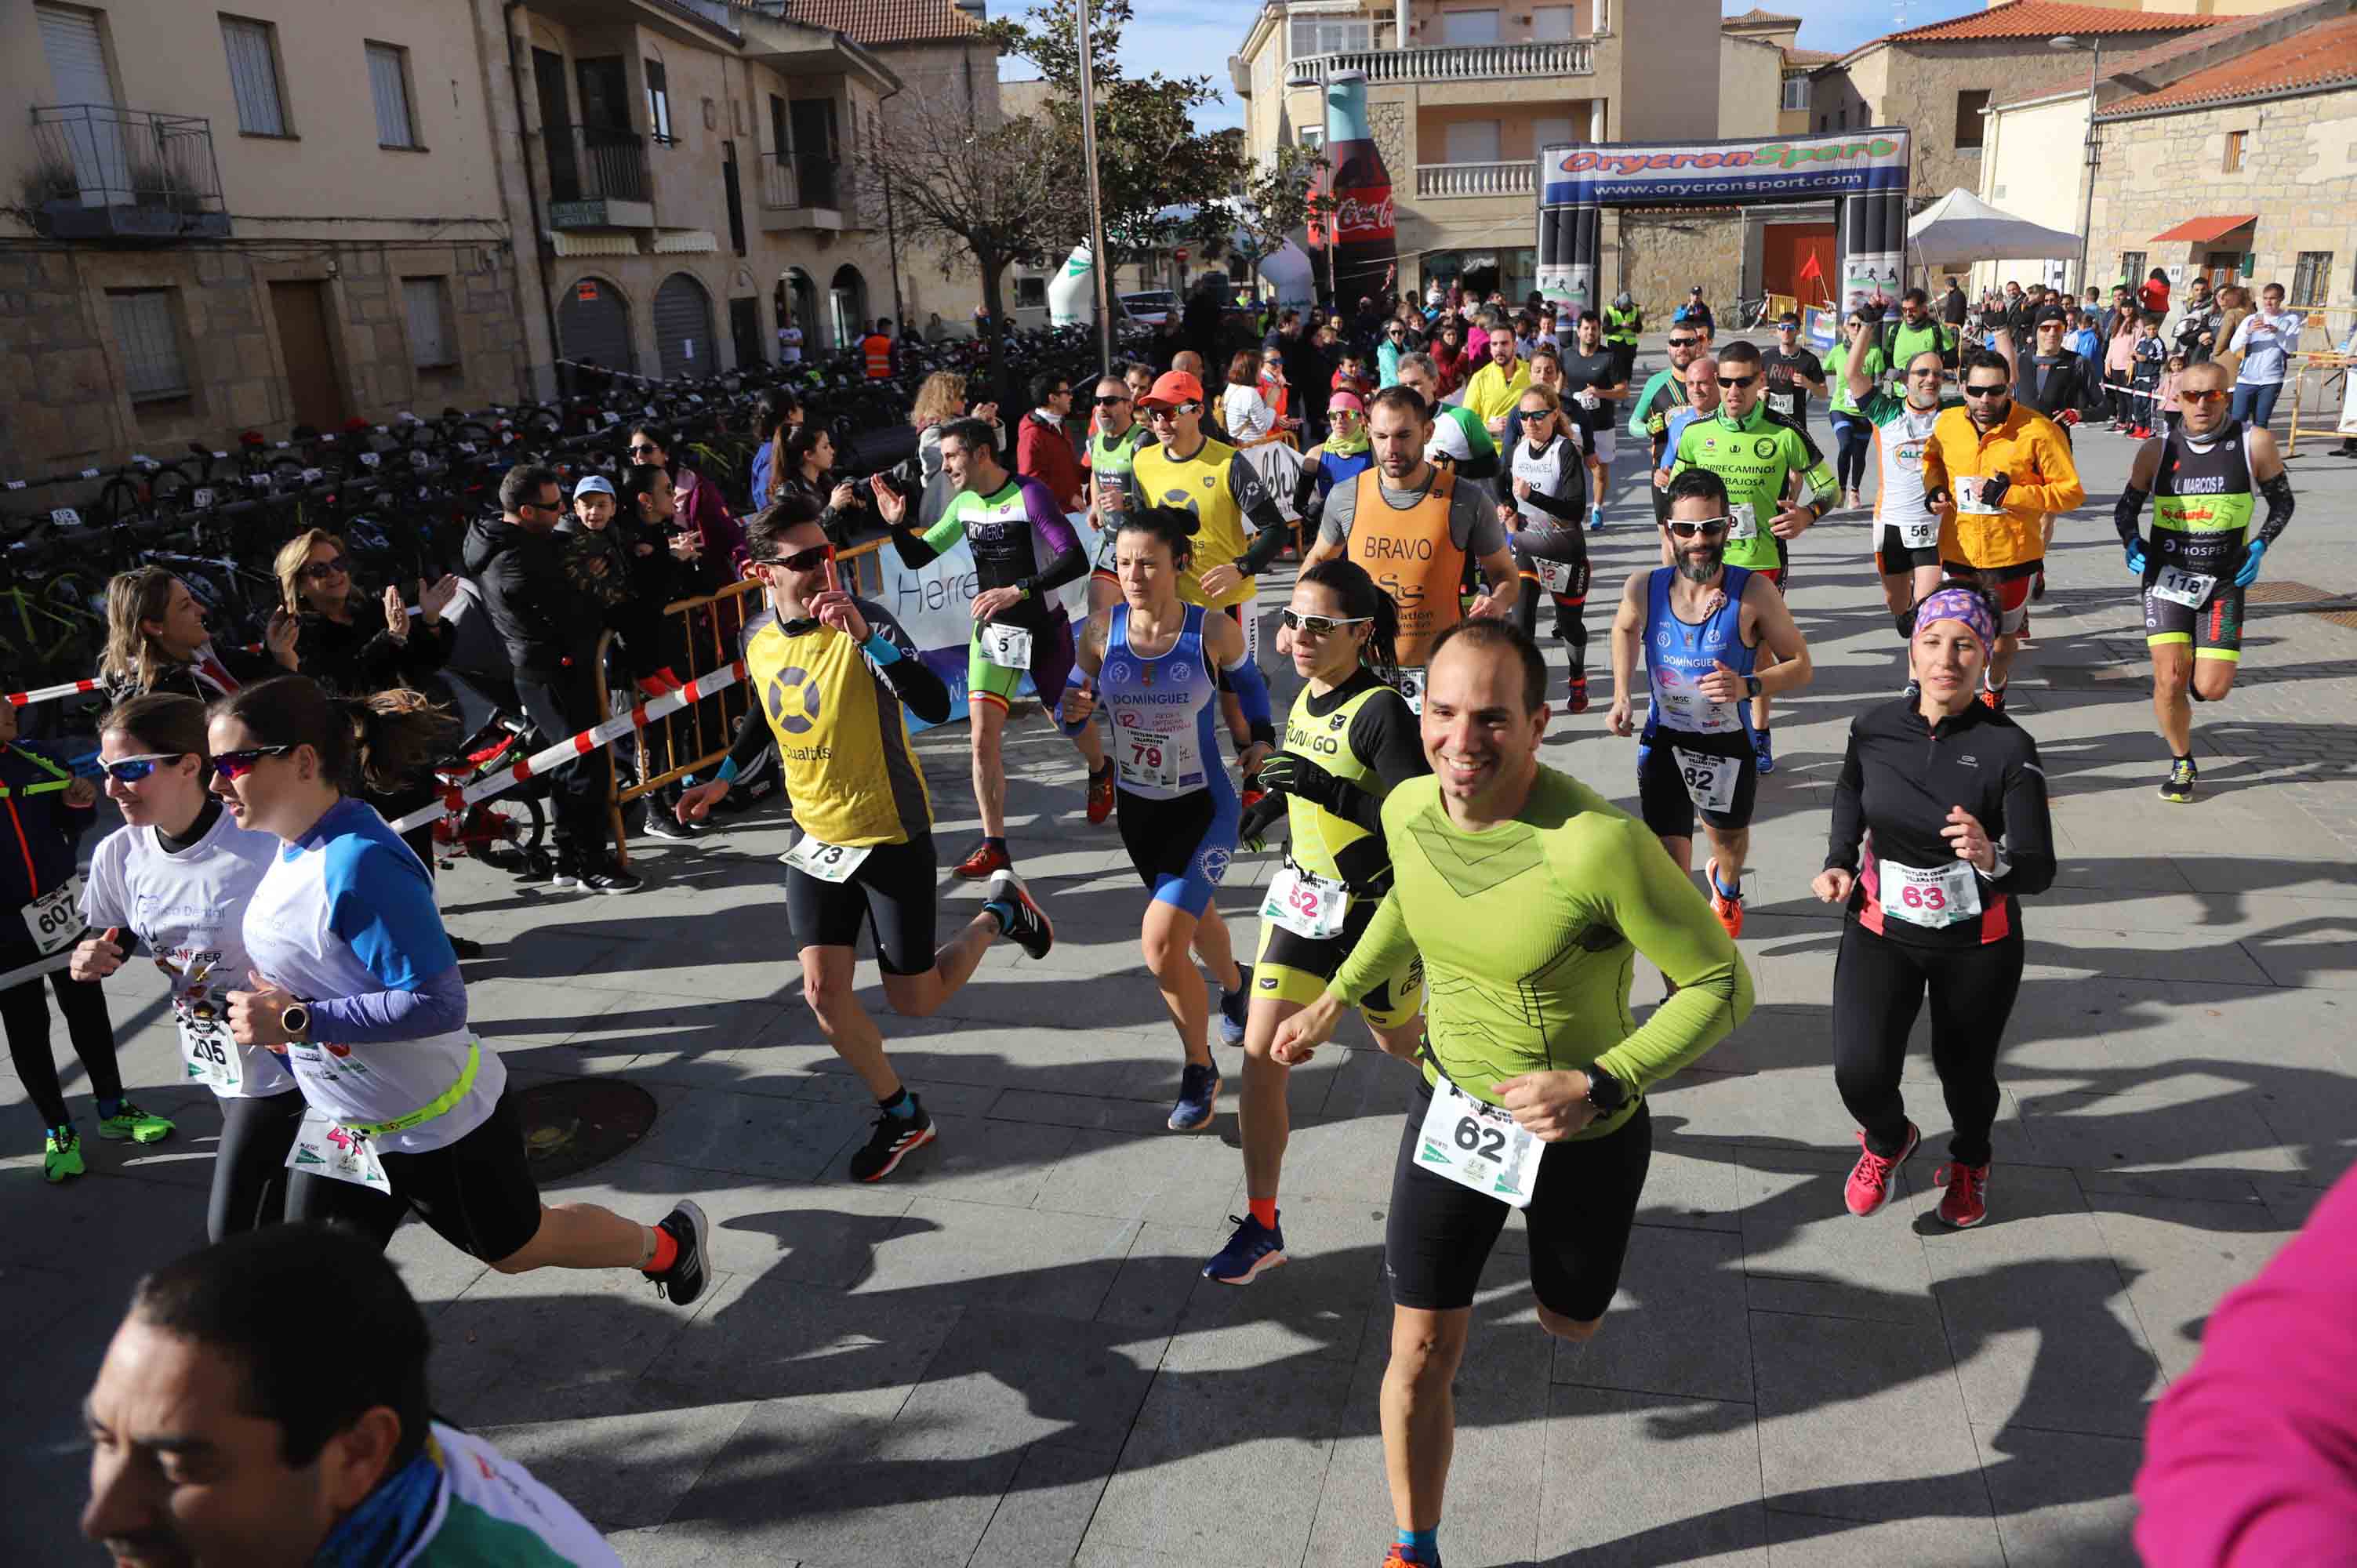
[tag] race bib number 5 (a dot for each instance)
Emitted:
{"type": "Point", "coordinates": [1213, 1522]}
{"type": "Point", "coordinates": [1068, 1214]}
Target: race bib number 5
{"type": "Point", "coordinates": [1477, 1147]}
{"type": "Point", "coordinates": [1008, 647]}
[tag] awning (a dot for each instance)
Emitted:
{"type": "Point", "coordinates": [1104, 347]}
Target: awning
{"type": "Point", "coordinates": [2201, 231]}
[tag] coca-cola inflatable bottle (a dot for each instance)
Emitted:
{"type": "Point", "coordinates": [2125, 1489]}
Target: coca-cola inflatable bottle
{"type": "Point", "coordinates": [1366, 245]}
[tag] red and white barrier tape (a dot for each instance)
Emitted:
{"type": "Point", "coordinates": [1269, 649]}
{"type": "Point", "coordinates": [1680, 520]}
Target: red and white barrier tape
{"type": "Point", "coordinates": [581, 745]}
{"type": "Point", "coordinates": [49, 694]}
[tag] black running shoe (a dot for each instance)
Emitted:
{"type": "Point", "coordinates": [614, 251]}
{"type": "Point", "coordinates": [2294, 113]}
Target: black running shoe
{"type": "Point", "coordinates": [607, 877]}
{"type": "Point", "coordinates": [893, 1140]}
{"type": "Point", "coordinates": [2177, 788]}
{"type": "Point", "coordinates": [1019, 914]}
{"type": "Point", "coordinates": [684, 1280]}
{"type": "Point", "coordinates": [466, 947]}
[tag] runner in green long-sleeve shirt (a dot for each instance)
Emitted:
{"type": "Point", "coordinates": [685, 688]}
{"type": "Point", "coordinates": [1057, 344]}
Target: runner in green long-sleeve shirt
{"type": "Point", "coordinates": [1529, 897]}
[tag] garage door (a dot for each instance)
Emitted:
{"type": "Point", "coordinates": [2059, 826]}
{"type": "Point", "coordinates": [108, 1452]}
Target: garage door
{"type": "Point", "coordinates": [595, 324]}
{"type": "Point", "coordinates": [683, 328]}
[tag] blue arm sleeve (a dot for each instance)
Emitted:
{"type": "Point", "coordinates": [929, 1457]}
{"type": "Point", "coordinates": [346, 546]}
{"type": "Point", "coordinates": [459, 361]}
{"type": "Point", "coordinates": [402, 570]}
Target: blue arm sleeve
{"type": "Point", "coordinates": [1252, 692]}
{"type": "Point", "coordinates": [438, 1006]}
{"type": "Point", "coordinates": [380, 903]}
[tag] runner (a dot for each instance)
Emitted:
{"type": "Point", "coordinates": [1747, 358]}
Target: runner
{"type": "Point", "coordinates": [46, 809]}
{"type": "Point", "coordinates": [1151, 658]}
{"type": "Point", "coordinates": [1702, 625]}
{"type": "Point", "coordinates": [356, 985]}
{"type": "Point", "coordinates": [178, 876]}
{"type": "Point", "coordinates": [1701, 403]}
{"type": "Point", "coordinates": [1415, 542]}
{"type": "Point", "coordinates": [1772, 471]}
{"type": "Point", "coordinates": [1939, 827]}
{"type": "Point", "coordinates": [1594, 387]}
{"type": "Point", "coordinates": [1993, 470]}
{"type": "Point", "coordinates": [1112, 449]}
{"type": "Point", "coordinates": [1490, 391]}
{"type": "Point", "coordinates": [1794, 373]}
{"type": "Point", "coordinates": [1665, 393]}
{"type": "Point", "coordinates": [2202, 557]}
{"type": "Point", "coordinates": [1914, 332]}
{"type": "Point", "coordinates": [227, 1426]}
{"type": "Point", "coordinates": [832, 673]}
{"type": "Point", "coordinates": [1906, 529]}
{"type": "Point", "coordinates": [1529, 897]}
{"type": "Point", "coordinates": [1458, 437]}
{"type": "Point", "coordinates": [1349, 741]}
{"type": "Point", "coordinates": [1024, 551]}
{"type": "Point", "coordinates": [1346, 452]}
{"type": "Point", "coordinates": [1852, 434]}
{"type": "Point", "coordinates": [1540, 500]}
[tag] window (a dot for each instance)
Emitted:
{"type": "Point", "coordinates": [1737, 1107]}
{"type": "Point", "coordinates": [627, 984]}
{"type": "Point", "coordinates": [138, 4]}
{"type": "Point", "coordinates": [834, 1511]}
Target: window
{"type": "Point", "coordinates": [149, 336]}
{"type": "Point", "coordinates": [1473, 142]}
{"type": "Point", "coordinates": [252, 48]}
{"type": "Point", "coordinates": [1824, 121]}
{"type": "Point", "coordinates": [2308, 275]}
{"type": "Point", "coordinates": [1461, 29]}
{"type": "Point", "coordinates": [388, 69]}
{"type": "Point", "coordinates": [1796, 93]}
{"type": "Point", "coordinates": [1030, 294]}
{"type": "Point", "coordinates": [1971, 108]}
{"type": "Point", "coordinates": [2236, 142]}
{"type": "Point", "coordinates": [1331, 35]}
{"type": "Point", "coordinates": [427, 303]}
{"type": "Point", "coordinates": [1551, 24]}
{"type": "Point", "coordinates": [1841, 119]}
{"type": "Point", "coordinates": [2132, 268]}
{"type": "Point", "coordinates": [1314, 137]}
{"type": "Point", "coordinates": [659, 105]}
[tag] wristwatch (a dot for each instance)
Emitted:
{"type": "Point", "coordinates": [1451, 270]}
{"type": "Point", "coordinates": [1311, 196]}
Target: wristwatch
{"type": "Point", "coordinates": [294, 1018]}
{"type": "Point", "coordinates": [1751, 685]}
{"type": "Point", "coordinates": [1605, 1092]}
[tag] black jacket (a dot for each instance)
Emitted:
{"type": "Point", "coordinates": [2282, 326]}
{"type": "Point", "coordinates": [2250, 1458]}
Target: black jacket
{"type": "Point", "coordinates": [1898, 782]}
{"type": "Point", "coordinates": [245, 667]}
{"type": "Point", "coordinates": [2062, 384]}
{"type": "Point", "coordinates": [543, 618]}
{"type": "Point", "coordinates": [37, 845]}
{"type": "Point", "coordinates": [355, 659]}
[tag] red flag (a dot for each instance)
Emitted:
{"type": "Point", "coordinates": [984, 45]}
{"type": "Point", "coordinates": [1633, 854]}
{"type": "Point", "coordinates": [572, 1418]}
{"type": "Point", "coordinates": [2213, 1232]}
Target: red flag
{"type": "Point", "coordinates": [1809, 269]}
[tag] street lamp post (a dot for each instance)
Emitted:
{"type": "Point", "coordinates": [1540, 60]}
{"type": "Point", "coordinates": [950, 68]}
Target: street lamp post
{"type": "Point", "coordinates": [1104, 263]}
{"type": "Point", "coordinates": [2090, 157]}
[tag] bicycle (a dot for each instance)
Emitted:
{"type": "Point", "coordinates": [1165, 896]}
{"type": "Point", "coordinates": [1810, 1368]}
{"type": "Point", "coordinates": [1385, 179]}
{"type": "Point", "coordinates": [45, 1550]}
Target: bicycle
{"type": "Point", "coordinates": [503, 832]}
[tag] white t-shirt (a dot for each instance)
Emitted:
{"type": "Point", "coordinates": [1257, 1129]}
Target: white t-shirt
{"type": "Point", "coordinates": [190, 909]}
{"type": "Point", "coordinates": [1246, 413]}
{"type": "Point", "coordinates": [2264, 340]}
{"type": "Point", "coordinates": [790, 345]}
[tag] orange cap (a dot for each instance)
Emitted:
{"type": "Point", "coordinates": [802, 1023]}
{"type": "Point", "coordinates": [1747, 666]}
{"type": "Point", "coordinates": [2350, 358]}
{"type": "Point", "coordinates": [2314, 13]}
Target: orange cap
{"type": "Point", "coordinates": [1172, 388]}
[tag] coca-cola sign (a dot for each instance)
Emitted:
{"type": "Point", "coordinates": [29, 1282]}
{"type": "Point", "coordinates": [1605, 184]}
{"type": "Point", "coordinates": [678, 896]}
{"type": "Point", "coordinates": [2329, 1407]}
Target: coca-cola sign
{"type": "Point", "coordinates": [1364, 215]}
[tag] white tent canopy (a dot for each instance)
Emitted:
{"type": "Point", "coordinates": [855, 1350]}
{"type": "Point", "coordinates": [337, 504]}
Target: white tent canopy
{"type": "Point", "coordinates": [1961, 227]}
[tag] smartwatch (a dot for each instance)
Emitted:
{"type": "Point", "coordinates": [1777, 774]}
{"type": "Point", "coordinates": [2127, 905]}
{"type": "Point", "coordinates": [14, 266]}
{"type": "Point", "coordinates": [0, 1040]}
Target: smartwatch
{"type": "Point", "coordinates": [294, 1018]}
{"type": "Point", "coordinates": [1606, 1093]}
{"type": "Point", "coordinates": [1751, 685]}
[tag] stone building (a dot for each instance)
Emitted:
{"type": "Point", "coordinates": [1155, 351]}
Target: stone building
{"type": "Point", "coordinates": [1786, 111]}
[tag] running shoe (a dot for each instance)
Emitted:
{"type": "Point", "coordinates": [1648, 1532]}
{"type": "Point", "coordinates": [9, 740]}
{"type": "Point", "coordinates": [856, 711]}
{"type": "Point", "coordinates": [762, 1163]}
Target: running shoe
{"type": "Point", "coordinates": [2178, 787]}
{"type": "Point", "coordinates": [62, 1157]}
{"type": "Point", "coordinates": [1850, 501]}
{"type": "Point", "coordinates": [1993, 698]}
{"type": "Point", "coordinates": [1197, 1088]}
{"type": "Point", "coordinates": [1579, 693]}
{"type": "Point", "coordinates": [662, 824]}
{"type": "Point", "coordinates": [892, 1140]}
{"type": "Point", "coordinates": [1100, 794]}
{"type": "Point", "coordinates": [609, 878]}
{"type": "Point", "coordinates": [1019, 914]}
{"type": "Point", "coordinates": [1763, 751]}
{"type": "Point", "coordinates": [132, 1124]}
{"type": "Point", "coordinates": [1727, 906]}
{"type": "Point", "coordinates": [1965, 1203]}
{"type": "Point", "coordinates": [984, 859]}
{"type": "Point", "coordinates": [1253, 1248]}
{"type": "Point", "coordinates": [1596, 519]}
{"type": "Point", "coordinates": [1399, 1558]}
{"type": "Point", "coordinates": [1233, 1007]}
{"type": "Point", "coordinates": [684, 1280]}
{"type": "Point", "coordinates": [1868, 1187]}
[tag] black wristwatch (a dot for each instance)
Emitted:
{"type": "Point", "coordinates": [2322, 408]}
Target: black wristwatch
{"type": "Point", "coordinates": [1605, 1092]}
{"type": "Point", "coordinates": [294, 1018]}
{"type": "Point", "coordinates": [1751, 685]}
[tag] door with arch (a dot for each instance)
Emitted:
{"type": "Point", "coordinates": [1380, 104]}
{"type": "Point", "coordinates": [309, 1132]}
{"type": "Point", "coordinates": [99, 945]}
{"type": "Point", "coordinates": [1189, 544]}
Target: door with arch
{"type": "Point", "coordinates": [847, 296]}
{"type": "Point", "coordinates": [593, 325]}
{"type": "Point", "coordinates": [683, 328]}
{"type": "Point", "coordinates": [797, 301]}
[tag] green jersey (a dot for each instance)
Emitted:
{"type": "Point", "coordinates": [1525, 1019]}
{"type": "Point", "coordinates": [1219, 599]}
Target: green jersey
{"type": "Point", "coordinates": [1901, 343]}
{"type": "Point", "coordinates": [1757, 456]}
{"type": "Point", "coordinates": [1112, 459]}
{"type": "Point", "coordinates": [1458, 434]}
{"type": "Point", "coordinates": [1837, 360]}
{"type": "Point", "coordinates": [1530, 932]}
{"type": "Point", "coordinates": [1664, 395]}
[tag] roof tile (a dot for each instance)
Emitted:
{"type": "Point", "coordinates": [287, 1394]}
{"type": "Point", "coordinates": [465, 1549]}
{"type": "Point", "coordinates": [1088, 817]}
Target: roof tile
{"type": "Point", "coordinates": [887, 21]}
{"type": "Point", "coordinates": [2045, 19]}
{"type": "Point", "coordinates": [1757, 16]}
{"type": "Point", "coordinates": [2315, 57]}
{"type": "Point", "coordinates": [2146, 62]}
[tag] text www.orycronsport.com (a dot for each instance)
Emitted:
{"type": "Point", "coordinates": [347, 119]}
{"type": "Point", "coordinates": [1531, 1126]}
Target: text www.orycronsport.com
{"type": "Point", "coordinates": [1754, 185]}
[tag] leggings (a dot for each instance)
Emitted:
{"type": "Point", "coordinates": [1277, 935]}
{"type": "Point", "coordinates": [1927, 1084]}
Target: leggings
{"type": "Point", "coordinates": [1879, 986]}
{"type": "Point", "coordinates": [249, 1172]}
{"type": "Point", "coordinates": [25, 1013]}
{"type": "Point", "coordinates": [1854, 435]}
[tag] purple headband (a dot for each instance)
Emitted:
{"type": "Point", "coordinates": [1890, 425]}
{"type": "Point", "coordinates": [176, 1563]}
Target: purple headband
{"type": "Point", "coordinates": [1958, 603]}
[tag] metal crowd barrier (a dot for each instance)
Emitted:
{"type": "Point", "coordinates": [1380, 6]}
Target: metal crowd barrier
{"type": "Point", "coordinates": [2323, 410]}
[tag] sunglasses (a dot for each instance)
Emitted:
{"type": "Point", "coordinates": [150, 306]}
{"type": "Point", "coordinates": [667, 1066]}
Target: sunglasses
{"type": "Point", "coordinates": [1154, 416]}
{"type": "Point", "coordinates": [809, 560]}
{"type": "Point", "coordinates": [2205, 396]}
{"type": "Point", "coordinates": [1997, 391]}
{"type": "Point", "coordinates": [131, 769]}
{"type": "Point", "coordinates": [235, 764]}
{"type": "Point", "coordinates": [1109, 402]}
{"type": "Point", "coordinates": [1684, 342]}
{"type": "Point", "coordinates": [334, 566]}
{"type": "Point", "coordinates": [1928, 373]}
{"type": "Point", "coordinates": [1319, 626]}
{"type": "Point", "coordinates": [1738, 380]}
{"type": "Point", "coordinates": [1708, 527]}
{"type": "Point", "coordinates": [644, 447]}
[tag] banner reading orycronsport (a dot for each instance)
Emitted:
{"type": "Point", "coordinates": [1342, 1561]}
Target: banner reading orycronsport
{"type": "Point", "coordinates": [1661, 174]}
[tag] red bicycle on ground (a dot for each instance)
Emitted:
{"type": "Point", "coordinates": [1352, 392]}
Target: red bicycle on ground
{"type": "Point", "coordinates": [503, 832]}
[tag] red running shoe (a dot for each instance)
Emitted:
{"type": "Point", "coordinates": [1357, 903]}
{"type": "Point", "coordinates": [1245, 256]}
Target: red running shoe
{"type": "Point", "coordinates": [985, 859]}
{"type": "Point", "coordinates": [1100, 794]}
{"type": "Point", "coordinates": [1965, 1204]}
{"type": "Point", "coordinates": [1868, 1187]}
{"type": "Point", "coordinates": [1993, 699]}
{"type": "Point", "coordinates": [1579, 694]}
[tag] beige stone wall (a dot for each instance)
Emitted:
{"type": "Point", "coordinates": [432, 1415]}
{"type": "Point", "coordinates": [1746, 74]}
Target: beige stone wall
{"type": "Point", "coordinates": [1751, 87]}
{"type": "Point", "coordinates": [1662, 254]}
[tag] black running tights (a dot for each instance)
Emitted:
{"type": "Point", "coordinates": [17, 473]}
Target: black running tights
{"type": "Point", "coordinates": [1879, 985]}
{"type": "Point", "coordinates": [25, 1014]}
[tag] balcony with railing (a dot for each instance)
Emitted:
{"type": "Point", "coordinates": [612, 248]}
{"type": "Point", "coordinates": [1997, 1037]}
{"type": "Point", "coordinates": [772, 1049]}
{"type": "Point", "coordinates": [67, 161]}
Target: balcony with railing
{"type": "Point", "coordinates": [1514, 177]}
{"type": "Point", "coordinates": [100, 172]}
{"type": "Point", "coordinates": [801, 190]}
{"type": "Point", "coordinates": [597, 179]}
{"type": "Point", "coordinates": [1457, 62]}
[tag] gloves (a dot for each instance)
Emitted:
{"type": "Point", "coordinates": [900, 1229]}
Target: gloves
{"type": "Point", "coordinates": [1993, 489]}
{"type": "Point", "coordinates": [2253, 553]}
{"type": "Point", "coordinates": [1257, 819]}
{"type": "Point", "coordinates": [2136, 557]}
{"type": "Point", "coordinates": [1290, 774]}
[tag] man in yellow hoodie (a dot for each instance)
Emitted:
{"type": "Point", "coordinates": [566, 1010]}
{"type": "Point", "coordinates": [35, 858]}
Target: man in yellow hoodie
{"type": "Point", "coordinates": [1993, 470]}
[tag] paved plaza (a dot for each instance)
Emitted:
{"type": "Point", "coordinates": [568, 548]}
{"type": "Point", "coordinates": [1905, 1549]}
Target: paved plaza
{"type": "Point", "coordinates": [1005, 1353]}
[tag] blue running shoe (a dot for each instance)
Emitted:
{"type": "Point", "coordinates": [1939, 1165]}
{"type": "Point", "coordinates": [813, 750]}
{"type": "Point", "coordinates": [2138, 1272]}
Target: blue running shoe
{"type": "Point", "coordinates": [1253, 1248]}
{"type": "Point", "coordinates": [1596, 519]}
{"type": "Point", "coordinates": [1233, 1005]}
{"type": "Point", "coordinates": [1197, 1088]}
{"type": "Point", "coordinates": [1764, 750]}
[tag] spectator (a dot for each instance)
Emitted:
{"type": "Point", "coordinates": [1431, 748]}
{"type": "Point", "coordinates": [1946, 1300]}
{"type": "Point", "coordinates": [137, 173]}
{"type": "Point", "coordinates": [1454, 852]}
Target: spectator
{"type": "Point", "coordinates": [1043, 441]}
{"type": "Point", "coordinates": [1952, 307]}
{"type": "Point", "coordinates": [1244, 411]}
{"type": "Point", "coordinates": [877, 351]}
{"type": "Point", "coordinates": [2193, 329]}
{"type": "Point", "coordinates": [1477, 340]}
{"type": "Point", "coordinates": [701, 507]}
{"type": "Point", "coordinates": [1287, 327]}
{"type": "Point", "coordinates": [1276, 391]}
{"type": "Point", "coordinates": [2153, 297]}
{"type": "Point", "coordinates": [1696, 312]}
{"type": "Point", "coordinates": [2265, 339]}
{"type": "Point", "coordinates": [597, 554]}
{"type": "Point", "coordinates": [2170, 406]}
{"type": "Point", "coordinates": [777, 413]}
{"type": "Point", "coordinates": [2109, 326]}
{"type": "Point", "coordinates": [2151, 354]}
{"type": "Point", "coordinates": [157, 640]}
{"type": "Point", "coordinates": [355, 644]}
{"type": "Point", "coordinates": [1387, 353]}
{"type": "Point", "coordinates": [2119, 367]}
{"type": "Point", "coordinates": [2234, 306]}
{"type": "Point", "coordinates": [1350, 375]}
{"type": "Point", "coordinates": [551, 633]}
{"type": "Point", "coordinates": [941, 400]}
{"type": "Point", "coordinates": [1448, 356]}
{"type": "Point", "coordinates": [789, 341]}
{"type": "Point", "coordinates": [2084, 343]}
{"type": "Point", "coordinates": [841, 505]}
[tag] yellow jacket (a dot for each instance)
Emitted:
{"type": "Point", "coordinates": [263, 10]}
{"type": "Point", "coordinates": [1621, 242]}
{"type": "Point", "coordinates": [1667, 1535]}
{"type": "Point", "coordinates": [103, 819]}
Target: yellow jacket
{"type": "Point", "coordinates": [1491, 396]}
{"type": "Point", "coordinates": [2027, 445]}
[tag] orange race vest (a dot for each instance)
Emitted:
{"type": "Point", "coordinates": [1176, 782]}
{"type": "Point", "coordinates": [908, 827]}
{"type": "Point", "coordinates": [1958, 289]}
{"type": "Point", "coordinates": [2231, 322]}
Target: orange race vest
{"type": "Point", "coordinates": [1411, 557]}
{"type": "Point", "coordinates": [878, 350]}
